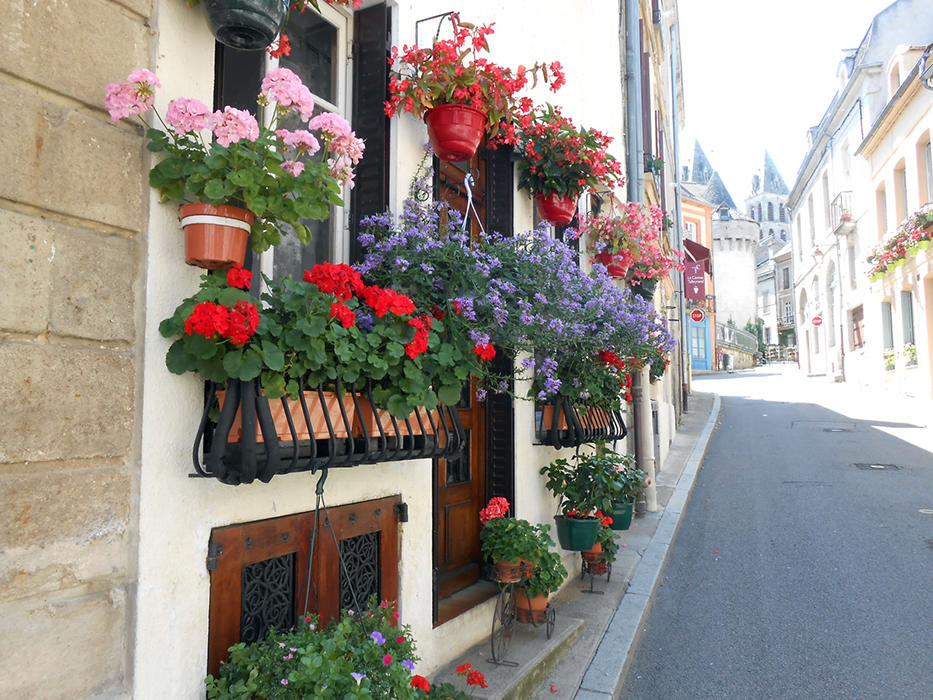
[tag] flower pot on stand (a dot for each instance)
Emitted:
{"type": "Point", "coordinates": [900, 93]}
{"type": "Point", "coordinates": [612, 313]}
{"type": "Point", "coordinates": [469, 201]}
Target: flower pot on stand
{"type": "Point", "coordinates": [622, 515]}
{"type": "Point", "coordinates": [594, 560]}
{"type": "Point", "coordinates": [576, 534]}
{"type": "Point", "coordinates": [615, 265]}
{"type": "Point", "coordinates": [555, 209]}
{"type": "Point", "coordinates": [530, 609]}
{"type": "Point", "coordinates": [455, 131]}
{"type": "Point", "coordinates": [507, 572]}
{"type": "Point", "coordinates": [215, 235]}
{"type": "Point", "coordinates": [248, 25]}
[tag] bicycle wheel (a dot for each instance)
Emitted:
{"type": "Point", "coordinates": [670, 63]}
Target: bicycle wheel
{"type": "Point", "coordinates": [551, 616]}
{"type": "Point", "coordinates": [503, 625]}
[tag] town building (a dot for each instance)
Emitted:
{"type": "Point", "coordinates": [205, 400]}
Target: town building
{"type": "Point", "coordinates": [121, 576]}
{"type": "Point", "coordinates": [834, 207]}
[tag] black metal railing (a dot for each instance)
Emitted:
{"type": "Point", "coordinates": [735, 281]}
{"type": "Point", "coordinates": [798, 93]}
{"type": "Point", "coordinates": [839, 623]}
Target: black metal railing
{"type": "Point", "coordinates": [841, 209]}
{"type": "Point", "coordinates": [562, 424]}
{"type": "Point", "coordinates": [245, 445]}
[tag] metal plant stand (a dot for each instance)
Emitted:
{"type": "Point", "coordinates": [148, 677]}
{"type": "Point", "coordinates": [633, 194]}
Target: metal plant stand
{"type": "Point", "coordinates": [595, 566]}
{"type": "Point", "coordinates": [507, 614]}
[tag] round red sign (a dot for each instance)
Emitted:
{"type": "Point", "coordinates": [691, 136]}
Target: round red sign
{"type": "Point", "coordinates": [697, 315]}
{"type": "Point", "coordinates": [817, 320]}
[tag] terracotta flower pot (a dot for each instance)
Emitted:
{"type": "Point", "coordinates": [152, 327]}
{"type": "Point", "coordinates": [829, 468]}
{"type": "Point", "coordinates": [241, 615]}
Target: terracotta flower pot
{"type": "Point", "coordinates": [555, 209]}
{"type": "Point", "coordinates": [215, 235]}
{"type": "Point", "coordinates": [615, 265]}
{"type": "Point", "coordinates": [547, 419]}
{"type": "Point", "coordinates": [455, 131]}
{"type": "Point", "coordinates": [528, 609]}
{"type": "Point", "coordinates": [367, 417]}
{"type": "Point", "coordinates": [507, 572]}
{"type": "Point", "coordinates": [315, 411]}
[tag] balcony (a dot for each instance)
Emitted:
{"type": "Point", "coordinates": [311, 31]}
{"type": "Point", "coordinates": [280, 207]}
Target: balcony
{"type": "Point", "coordinates": [785, 322]}
{"type": "Point", "coordinates": [841, 214]}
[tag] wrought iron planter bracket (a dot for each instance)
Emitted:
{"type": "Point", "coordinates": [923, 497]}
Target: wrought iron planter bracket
{"type": "Point", "coordinates": [595, 425]}
{"type": "Point", "coordinates": [348, 444]}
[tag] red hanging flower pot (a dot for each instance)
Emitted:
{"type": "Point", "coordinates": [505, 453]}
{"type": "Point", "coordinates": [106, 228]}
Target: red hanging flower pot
{"type": "Point", "coordinates": [555, 209]}
{"type": "Point", "coordinates": [215, 235]}
{"type": "Point", "coordinates": [455, 131]}
{"type": "Point", "coordinates": [615, 265]}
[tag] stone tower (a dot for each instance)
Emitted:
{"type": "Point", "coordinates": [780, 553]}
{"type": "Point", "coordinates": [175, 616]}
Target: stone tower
{"type": "Point", "coordinates": [767, 203]}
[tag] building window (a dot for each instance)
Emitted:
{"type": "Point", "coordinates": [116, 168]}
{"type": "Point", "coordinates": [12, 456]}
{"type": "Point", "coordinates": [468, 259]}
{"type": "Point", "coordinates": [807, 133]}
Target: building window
{"type": "Point", "coordinates": [759, 212]}
{"type": "Point", "coordinates": [900, 193]}
{"type": "Point", "coordinates": [784, 236]}
{"type": "Point", "coordinates": [698, 342]}
{"type": "Point", "coordinates": [770, 211]}
{"type": "Point", "coordinates": [782, 213]}
{"type": "Point", "coordinates": [858, 328]}
{"type": "Point", "coordinates": [812, 221]}
{"type": "Point", "coordinates": [927, 162]}
{"type": "Point", "coordinates": [881, 204]}
{"type": "Point", "coordinates": [907, 316]}
{"type": "Point", "coordinates": [785, 277]}
{"type": "Point", "coordinates": [831, 306]}
{"type": "Point", "coordinates": [887, 325]}
{"type": "Point", "coordinates": [690, 231]}
{"type": "Point", "coordinates": [799, 237]}
{"type": "Point", "coordinates": [826, 213]}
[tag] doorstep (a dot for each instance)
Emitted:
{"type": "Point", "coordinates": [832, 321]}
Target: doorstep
{"type": "Point", "coordinates": [595, 634]}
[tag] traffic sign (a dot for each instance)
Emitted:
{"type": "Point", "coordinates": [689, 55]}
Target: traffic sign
{"type": "Point", "coordinates": [697, 315]}
{"type": "Point", "coordinates": [817, 320]}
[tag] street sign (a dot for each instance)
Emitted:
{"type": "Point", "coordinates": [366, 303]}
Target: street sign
{"type": "Point", "coordinates": [817, 320]}
{"type": "Point", "coordinates": [697, 315]}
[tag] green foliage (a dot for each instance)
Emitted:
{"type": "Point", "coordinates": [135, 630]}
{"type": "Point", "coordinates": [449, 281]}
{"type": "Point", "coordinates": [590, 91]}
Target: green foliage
{"type": "Point", "coordinates": [509, 540]}
{"type": "Point", "coordinates": [310, 662]}
{"type": "Point", "coordinates": [587, 483]}
{"type": "Point", "coordinates": [549, 568]}
{"type": "Point", "coordinates": [606, 537]}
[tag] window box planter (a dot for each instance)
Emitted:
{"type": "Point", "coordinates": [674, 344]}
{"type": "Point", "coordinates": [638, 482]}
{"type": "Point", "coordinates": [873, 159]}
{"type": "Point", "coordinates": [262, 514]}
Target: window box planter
{"type": "Point", "coordinates": [562, 425]}
{"type": "Point", "coordinates": [257, 450]}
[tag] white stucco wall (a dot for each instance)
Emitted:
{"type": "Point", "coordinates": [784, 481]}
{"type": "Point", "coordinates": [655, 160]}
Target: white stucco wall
{"type": "Point", "coordinates": [177, 513]}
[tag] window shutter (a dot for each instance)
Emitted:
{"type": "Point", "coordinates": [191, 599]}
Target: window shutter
{"type": "Point", "coordinates": [370, 90]}
{"type": "Point", "coordinates": [499, 190]}
{"type": "Point", "coordinates": [500, 437]}
{"type": "Point", "coordinates": [646, 122]}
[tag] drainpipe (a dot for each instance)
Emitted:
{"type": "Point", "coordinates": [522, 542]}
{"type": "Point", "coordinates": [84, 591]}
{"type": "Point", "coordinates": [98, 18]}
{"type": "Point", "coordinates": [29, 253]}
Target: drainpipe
{"type": "Point", "coordinates": [635, 158]}
{"type": "Point", "coordinates": [679, 233]}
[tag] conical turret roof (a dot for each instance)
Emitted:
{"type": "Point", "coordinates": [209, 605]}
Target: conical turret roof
{"type": "Point", "coordinates": [702, 170]}
{"type": "Point", "coordinates": [716, 192]}
{"type": "Point", "coordinates": [772, 182]}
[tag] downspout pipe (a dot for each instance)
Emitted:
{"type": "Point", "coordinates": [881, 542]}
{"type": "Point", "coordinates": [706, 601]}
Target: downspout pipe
{"type": "Point", "coordinates": [679, 232]}
{"type": "Point", "coordinates": [635, 158]}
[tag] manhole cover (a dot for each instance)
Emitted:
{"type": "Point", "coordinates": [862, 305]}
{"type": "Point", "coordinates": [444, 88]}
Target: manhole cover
{"type": "Point", "coordinates": [927, 511]}
{"type": "Point", "coordinates": [836, 430]}
{"type": "Point", "coordinates": [827, 426]}
{"type": "Point", "coordinates": [876, 467]}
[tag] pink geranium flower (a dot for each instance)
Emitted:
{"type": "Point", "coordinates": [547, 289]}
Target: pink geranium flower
{"type": "Point", "coordinates": [234, 125]}
{"type": "Point", "coordinates": [285, 88]}
{"type": "Point", "coordinates": [132, 97]}
{"type": "Point", "coordinates": [186, 115]}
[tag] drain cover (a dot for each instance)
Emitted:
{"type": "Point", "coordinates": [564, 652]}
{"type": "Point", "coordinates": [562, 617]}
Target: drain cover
{"type": "Point", "coordinates": [927, 511]}
{"type": "Point", "coordinates": [836, 430]}
{"type": "Point", "coordinates": [876, 467]}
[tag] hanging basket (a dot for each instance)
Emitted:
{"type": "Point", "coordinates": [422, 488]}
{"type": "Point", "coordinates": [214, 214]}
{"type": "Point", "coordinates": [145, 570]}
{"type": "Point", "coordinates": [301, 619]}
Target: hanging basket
{"type": "Point", "coordinates": [554, 209]}
{"type": "Point", "coordinates": [615, 265]}
{"type": "Point", "coordinates": [576, 534]}
{"type": "Point", "coordinates": [215, 235]}
{"type": "Point", "coordinates": [247, 25]}
{"type": "Point", "coordinates": [646, 288]}
{"type": "Point", "coordinates": [455, 131]}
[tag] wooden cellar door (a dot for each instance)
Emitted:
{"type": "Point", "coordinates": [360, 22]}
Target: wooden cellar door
{"type": "Point", "coordinates": [259, 571]}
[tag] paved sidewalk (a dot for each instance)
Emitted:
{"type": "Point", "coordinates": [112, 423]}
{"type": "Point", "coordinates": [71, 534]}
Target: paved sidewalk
{"type": "Point", "coordinates": [588, 655]}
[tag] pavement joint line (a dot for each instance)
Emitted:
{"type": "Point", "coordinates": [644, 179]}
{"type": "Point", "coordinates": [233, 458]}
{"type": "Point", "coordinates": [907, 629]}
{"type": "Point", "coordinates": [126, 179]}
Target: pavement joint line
{"type": "Point", "coordinates": [606, 671]}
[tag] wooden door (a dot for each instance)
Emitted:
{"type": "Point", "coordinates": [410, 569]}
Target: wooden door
{"type": "Point", "coordinates": [460, 484]}
{"type": "Point", "coordinates": [260, 571]}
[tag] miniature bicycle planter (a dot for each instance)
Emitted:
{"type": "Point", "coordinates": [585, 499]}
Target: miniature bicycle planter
{"type": "Point", "coordinates": [507, 614]}
{"type": "Point", "coordinates": [595, 565]}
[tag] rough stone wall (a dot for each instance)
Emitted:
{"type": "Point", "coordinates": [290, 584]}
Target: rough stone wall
{"type": "Point", "coordinates": [735, 245]}
{"type": "Point", "coordinates": [72, 213]}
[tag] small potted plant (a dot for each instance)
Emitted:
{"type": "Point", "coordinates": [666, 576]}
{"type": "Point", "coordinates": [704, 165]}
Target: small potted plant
{"type": "Point", "coordinates": [585, 484]}
{"type": "Point", "coordinates": [558, 162]}
{"type": "Point", "coordinates": [263, 180]}
{"type": "Point", "coordinates": [460, 94]}
{"type": "Point", "coordinates": [549, 574]}
{"type": "Point", "coordinates": [508, 542]}
{"type": "Point", "coordinates": [361, 655]}
{"type": "Point", "coordinates": [889, 355]}
{"type": "Point", "coordinates": [909, 353]}
{"type": "Point", "coordinates": [652, 262]}
{"type": "Point", "coordinates": [605, 548]}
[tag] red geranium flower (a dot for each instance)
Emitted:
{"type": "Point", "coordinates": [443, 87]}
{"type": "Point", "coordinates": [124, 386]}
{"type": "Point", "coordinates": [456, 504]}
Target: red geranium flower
{"type": "Point", "coordinates": [485, 352]}
{"type": "Point", "coordinates": [238, 277]}
{"type": "Point", "coordinates": [476, 678]}
{"type": "Point", "coordinates": [346, 317]}
{"type": "Point", "coordinates": [421, 682]}
{"type": "Point", "coordinates": [340, 280]}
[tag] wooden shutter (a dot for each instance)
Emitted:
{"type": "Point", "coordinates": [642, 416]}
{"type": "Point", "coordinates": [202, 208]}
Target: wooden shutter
{"type": "Point", "coordinates": [370, 91]}
{"type": "Point", "coordinates": [499, 190]}
{"type": "Point", "coordinates": [646, 122]}
{"type": "Point", "coordinates": [500, 437]}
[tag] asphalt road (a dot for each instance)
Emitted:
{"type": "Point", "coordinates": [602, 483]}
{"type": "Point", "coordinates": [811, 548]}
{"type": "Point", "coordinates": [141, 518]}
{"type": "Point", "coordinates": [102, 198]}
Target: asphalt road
{"type": "Point", "coordinates": [796, 574]}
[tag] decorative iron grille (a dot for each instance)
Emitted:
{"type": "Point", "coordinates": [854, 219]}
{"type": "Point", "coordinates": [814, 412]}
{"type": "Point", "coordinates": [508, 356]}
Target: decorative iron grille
{"type": "Point", "coordinates": [268, 597]}
{"type": "Point", "coordinates": [360, 556]}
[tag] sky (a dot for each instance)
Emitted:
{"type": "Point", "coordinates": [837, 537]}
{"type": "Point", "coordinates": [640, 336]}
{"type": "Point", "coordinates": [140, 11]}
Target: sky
{"type": "Point", "coordinates": [759, 73]}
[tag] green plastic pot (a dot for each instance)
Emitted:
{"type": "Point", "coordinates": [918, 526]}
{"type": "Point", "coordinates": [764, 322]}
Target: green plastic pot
{"type": "Point", "coordinates": [900, 262]}
{"type": "Point", "coordinates": [923, 245]}
{"type": "Point", "coordinates": [622, 515]}
{"type": "Point", "coordinates": [575, 534]}
{"type": "Point", "coordinates": [247, 25]}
